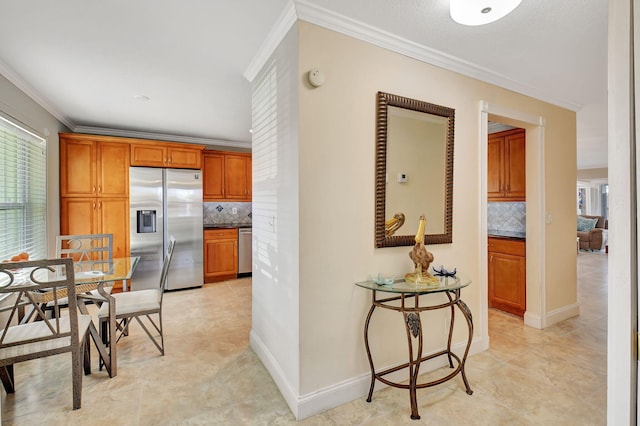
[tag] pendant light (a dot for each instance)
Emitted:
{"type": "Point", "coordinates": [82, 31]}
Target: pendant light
{"type": "Point", "coordinates": [480, 12]}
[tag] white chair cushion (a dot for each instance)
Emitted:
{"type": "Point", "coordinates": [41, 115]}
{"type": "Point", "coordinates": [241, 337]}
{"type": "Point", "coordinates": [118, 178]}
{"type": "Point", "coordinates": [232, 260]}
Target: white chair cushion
{"type": "Point", "coordinates": [133, 302]}
{"type": "Point", "coordinates": [39, 329]}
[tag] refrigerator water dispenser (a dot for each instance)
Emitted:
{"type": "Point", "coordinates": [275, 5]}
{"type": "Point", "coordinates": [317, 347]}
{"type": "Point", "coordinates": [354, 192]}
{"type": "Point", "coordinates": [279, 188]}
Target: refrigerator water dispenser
{"type": "Point", "coordinates": [146, 221]}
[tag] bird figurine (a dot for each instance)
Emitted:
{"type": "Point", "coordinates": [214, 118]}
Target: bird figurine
{"type": "Point", "coordinates": [421, 258]}
{"type": "Point", "coordinates": [393, 224]}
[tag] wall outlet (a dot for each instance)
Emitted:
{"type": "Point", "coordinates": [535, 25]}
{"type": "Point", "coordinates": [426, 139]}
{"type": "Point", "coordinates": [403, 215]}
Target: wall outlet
{"type": "Point", "coordinates": [234, 210]}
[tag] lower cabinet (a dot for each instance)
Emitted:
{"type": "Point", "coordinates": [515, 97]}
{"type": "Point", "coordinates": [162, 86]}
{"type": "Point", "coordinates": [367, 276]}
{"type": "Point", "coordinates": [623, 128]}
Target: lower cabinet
{"type": "Point", "coordinates": [220, 254]}
{"type": "Point", "coordinates": [507, 275]}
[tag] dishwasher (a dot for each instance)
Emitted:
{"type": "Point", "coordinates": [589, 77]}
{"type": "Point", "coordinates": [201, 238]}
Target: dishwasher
{"type": "Point", "coordinates": [244, 251]}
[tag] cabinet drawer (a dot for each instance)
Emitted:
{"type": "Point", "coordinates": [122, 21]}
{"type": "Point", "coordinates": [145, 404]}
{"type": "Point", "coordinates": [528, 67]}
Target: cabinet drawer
{"type": "Point", "coordinates": [499, 245]}
{"type": "Point", "coordinates": [220, 234]}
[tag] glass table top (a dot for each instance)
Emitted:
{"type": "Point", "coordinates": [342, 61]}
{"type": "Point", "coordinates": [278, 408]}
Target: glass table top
{"type": "Point", "coordinates": [401, 286]}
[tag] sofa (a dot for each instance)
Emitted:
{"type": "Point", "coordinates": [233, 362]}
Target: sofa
{"type": "Point", "coordinates": [595, 238]}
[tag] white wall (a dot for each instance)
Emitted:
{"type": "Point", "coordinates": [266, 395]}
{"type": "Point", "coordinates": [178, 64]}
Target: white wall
{"type": "Point", "coordinates": [622, 354]}
{"type": "Point", "coordinates": [275, 295]}
{"type": "Point", "coordinates": [17, 106]}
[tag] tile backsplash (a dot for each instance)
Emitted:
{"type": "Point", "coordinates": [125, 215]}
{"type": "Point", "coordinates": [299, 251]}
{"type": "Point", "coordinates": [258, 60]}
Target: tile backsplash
{"type": "Point", "coordinates": [507, 216]}
{"type": "Point", "coordinates": [222, 213]}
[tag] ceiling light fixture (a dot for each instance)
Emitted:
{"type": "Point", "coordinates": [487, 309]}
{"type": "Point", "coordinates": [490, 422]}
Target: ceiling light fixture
{"type": "Point", "coordinates": [480, 12]}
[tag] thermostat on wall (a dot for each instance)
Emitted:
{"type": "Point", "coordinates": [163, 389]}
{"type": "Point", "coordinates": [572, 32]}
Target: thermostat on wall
{"type": "Point", "coordinates": [403, 178]}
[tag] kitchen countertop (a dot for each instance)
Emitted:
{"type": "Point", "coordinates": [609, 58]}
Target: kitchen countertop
{"type": "Point", "coordinates": [507, 234]}
{"type": "Point", "coordinates": [226, 225]}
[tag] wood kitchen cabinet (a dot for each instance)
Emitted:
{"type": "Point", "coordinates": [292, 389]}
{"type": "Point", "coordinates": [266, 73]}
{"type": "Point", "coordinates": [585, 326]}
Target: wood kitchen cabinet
{"type": "Point", "coordinates": [506, 166]}
{"type": "Point", "coordinates": [237, 177]}
{"type": "Point", "coordinates": [87, 215]}
{"type": "Point", "coordinates": [90, 168]}
{"type": "Point", "coordinates": [220, 254]}
{"type": "Point", "coordinates": [158, 154]}
{"type": "Point", "coordinates": [507, 275]}
{"type": "Point", "coordinates": [226, 176]}
{"type": "Point", "coordinates": [212, 176]}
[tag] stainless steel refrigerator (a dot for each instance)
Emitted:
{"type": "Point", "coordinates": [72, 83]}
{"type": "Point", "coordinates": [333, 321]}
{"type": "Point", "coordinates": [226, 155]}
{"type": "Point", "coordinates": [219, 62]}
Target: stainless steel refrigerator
{"type": "Point", "coordinates": [166, 202]}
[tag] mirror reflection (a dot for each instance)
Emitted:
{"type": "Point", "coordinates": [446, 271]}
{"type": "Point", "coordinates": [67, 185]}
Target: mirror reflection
{"type": "Point", "coordinates": [414, 170]}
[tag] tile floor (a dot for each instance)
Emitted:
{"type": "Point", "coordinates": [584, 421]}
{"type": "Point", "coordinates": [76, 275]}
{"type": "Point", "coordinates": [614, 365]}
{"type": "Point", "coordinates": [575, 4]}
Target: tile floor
{"type": "Point", "coordinates": [210, 376]}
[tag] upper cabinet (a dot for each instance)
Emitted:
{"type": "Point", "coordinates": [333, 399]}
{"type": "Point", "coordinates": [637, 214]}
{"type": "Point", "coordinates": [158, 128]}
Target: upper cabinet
{"type": "Point", "coordinates": [226, 176]}
{"type": "Point", "coordinates": [506, 166]}
{"type": "Point", "coordinates": [237, 177]}
{"type": "Point", "coordinates": [93, 168]}
{"type": "Point", "coordinates": [176, 156]}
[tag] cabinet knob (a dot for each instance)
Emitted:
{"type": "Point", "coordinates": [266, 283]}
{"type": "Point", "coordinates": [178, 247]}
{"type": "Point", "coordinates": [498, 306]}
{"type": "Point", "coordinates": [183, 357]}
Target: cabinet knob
{"type": "Point", "coordinates": [99, 189]}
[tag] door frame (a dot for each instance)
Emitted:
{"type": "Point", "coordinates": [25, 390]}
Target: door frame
{"type": "Point", "coordinates": [535, 211]}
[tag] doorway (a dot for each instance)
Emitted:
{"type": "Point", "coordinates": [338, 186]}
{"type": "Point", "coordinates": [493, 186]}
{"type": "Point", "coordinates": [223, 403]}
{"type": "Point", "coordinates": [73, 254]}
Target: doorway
{"type": "Point", "coordinates": [506, 218]}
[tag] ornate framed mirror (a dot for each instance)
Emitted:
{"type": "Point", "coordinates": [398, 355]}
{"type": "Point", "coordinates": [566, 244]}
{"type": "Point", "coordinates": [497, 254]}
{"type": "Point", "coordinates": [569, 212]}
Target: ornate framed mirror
{"type": "Point", "coordinates": [414, 170]}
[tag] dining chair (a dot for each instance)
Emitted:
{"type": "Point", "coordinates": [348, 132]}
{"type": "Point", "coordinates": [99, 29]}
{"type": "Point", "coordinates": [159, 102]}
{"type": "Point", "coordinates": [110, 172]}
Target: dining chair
{"type": "Point", "coordinates": [19, 282]}
{"type": "Point", "coordinates": [89, 252]}
{"type": "Point", "coordinates": [140, 304]}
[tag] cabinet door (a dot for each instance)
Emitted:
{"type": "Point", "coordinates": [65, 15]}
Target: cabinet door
{"type": "Point", "coordinates": [515, 167]}
{"type": "Point", "coordinates": [249, 179]}
{"type": "Point", "coordinates": [113, 166]}
{"type": "Point", "coordinates": [148, 155]}
{"type": "Point", "coordinates": [220, 258]}
{"type": "Point", "coordinates": [507, 283]}
{"type": "Point", "coordinates": [235, 177]}
{"type": "Point", "coordinates": [184, 158]}
{"type": "Point", "coordinates": [78, 216]}
{"type": "Point", "coordinates": [114, 219]}
{"type": "Point", "coordinates": [78, 168]}
{"type": "Point", "coordinates": [213, 177]}
{"type": "Point", "coordinates": [495, 169]}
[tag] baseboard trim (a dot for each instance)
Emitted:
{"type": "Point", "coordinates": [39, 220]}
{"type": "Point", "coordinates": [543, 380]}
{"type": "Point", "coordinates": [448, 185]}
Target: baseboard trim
{"type": "Point", "coordinates": [552, 317]}
{"type": "Point", "coordinates": [272, 366]}
{"type": "Point", "coordinates": [321, 400]}
{"type": "Point", "coordinates": [532, 320]}
{"type": "Point", "coordinates": [562, 314]}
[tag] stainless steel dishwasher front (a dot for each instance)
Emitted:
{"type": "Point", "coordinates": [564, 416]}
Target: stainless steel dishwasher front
{"type": "Point", "coordinates": [244, 251]}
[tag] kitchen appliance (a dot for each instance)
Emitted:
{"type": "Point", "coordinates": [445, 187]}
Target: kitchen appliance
{"type": "Point", "coordinates": [244, 251]}
{"type": "Point", "coordinates": [166, 202]}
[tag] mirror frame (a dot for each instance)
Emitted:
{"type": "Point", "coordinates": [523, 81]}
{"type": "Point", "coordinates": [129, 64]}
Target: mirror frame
{"type": "Point", "coordinates": [384, 100]}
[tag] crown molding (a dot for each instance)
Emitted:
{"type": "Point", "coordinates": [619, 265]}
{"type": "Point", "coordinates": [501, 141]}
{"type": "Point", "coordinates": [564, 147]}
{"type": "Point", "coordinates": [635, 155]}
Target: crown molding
{"type": "Point", "coordinates": [311, 13]}
{"type": "Point", "coordinates": [8, 73]}
{"type": "Point", "coordinates": [158, 136]}
{"type": "Point", "coordinates": [279, 30]}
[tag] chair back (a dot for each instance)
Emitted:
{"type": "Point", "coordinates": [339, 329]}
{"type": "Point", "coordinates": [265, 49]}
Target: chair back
{"type": "Point", "coordinates": [165, 265]}
{"type": "Point", "coordinates": [85, 248]}
{"type": "Point", "coordinates": [25, 281]}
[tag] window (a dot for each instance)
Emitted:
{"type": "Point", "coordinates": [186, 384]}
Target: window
{"type": "Point", "coordinates": [23, 200]}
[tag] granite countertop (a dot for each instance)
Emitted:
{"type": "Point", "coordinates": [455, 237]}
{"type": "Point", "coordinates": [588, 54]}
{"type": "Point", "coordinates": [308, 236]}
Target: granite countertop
{"type": "Point", "coordinates": [226, 225]}
{"type": "Point", "coordinates": [507, 234]}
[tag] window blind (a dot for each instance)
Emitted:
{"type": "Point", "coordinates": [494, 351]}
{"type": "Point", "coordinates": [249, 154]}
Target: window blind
{"type": "Point", "coordinates": [23, 199]}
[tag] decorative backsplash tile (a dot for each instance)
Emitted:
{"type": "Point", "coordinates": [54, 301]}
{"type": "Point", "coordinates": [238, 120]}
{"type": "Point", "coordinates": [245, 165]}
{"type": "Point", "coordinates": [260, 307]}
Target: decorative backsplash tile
{"type": "Point", "coordinates": [507, 216]}
{"type": "Point", "coordinates": [222, 213]}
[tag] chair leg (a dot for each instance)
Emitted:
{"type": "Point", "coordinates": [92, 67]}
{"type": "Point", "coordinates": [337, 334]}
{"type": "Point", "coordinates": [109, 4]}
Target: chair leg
{"type": "Point", "coordinates": [76, 372]}
{"type": "Point", "coordinates": [158, 329]}
{"type": "Point", "coordinates": [87, 354]}
{"type": "Point", "coordinates": [104, 334]}
{"type": "Point", "coordinates": [6, 375]}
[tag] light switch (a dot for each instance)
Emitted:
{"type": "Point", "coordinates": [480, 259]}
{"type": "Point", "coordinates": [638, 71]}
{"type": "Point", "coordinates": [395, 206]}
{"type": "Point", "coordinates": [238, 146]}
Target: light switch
{"type": "Point", "coordinates": [403, 178]}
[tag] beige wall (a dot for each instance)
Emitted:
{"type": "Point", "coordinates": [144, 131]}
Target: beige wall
{"type": "Point", "coordinates": [336, 180]}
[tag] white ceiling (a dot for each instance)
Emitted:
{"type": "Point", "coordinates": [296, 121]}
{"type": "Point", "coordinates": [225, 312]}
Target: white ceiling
{"type": "Point", "coordinates": [86, 61]}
